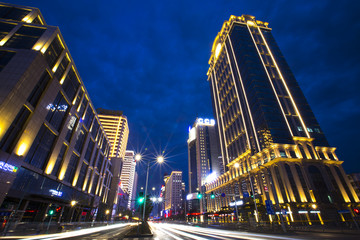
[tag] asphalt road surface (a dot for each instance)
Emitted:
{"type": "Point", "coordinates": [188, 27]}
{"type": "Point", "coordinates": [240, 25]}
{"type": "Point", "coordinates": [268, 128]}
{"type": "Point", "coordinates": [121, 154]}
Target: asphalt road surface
{"type": "Point", "coordinates": [166, 231]}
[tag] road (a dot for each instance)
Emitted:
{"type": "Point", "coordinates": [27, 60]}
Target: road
{"type": "Point", "coordinates": [166, 231]}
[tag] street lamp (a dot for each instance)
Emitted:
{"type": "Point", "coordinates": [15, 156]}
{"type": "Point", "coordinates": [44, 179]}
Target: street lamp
{"type": "Point", "coordinates": [107, 214]}
{"type": "Point", "coordinates": [159, 159]}
{"type": "Point", "coordinates": [72, 204]}
{"type": "Point", "coordinates": [138, 157]}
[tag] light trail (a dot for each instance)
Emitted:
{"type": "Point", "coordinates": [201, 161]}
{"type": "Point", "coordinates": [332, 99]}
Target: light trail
{"type": "Point", "coordinates": [66, 235]}
{"type": "Point", "coordinates": [221, 233]}
{"type": "Point", "coordinates": [165, 232]}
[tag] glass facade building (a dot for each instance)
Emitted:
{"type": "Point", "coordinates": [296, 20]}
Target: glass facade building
{"type": "Point", "coordinates": [271, 143]}
{"type": "Point", "coordinates": [53, 149]}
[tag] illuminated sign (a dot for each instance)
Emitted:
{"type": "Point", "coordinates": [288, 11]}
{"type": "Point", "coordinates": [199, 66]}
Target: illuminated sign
{"type": "Point", "coordinates": [205, 121]}
{"type": "Point", "coordinates": [302, 212]}
{"type": "Point", "coordinates": [192, 134]}
{"type": "Point", "coordinates": [315, 211]}
{"type": "Point", "coordinates": [238, 203]}
{"type": "Point", "coordinates": [55, 193]}
{"type": "Point", "coordinates": [61, 108]}
{"type": "Point", "coordinates": [7, 167]}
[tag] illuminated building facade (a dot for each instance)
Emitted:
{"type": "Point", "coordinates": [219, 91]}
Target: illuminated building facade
{"type": "Point", "coordinates": [53, 149]}
{"type": "Point", "coordinates": [271, 143]}
{"type": "Point", "coordinates": [173, 193]}
{"type": "Point", "coordinates": [116, 128]}
{"type": "Point", "coordinates": [128, 175]}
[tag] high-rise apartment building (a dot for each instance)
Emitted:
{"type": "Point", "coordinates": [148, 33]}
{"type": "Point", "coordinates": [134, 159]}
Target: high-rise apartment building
{"type": "Point", "coordinates": [204, 154]}
{"type": "Point", "coordinates": [53, 149]}
{"type": "Point", "coordinates": [173, 193]}
{"type": "Point", "coordinates": [117, 130]}
{"type": "Point", "coordinates": [128, 174]}
{"type": "Point", "coordinates": [271, 143]}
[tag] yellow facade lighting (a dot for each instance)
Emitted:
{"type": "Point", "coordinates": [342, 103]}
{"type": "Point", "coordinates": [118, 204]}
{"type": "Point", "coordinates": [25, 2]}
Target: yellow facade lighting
{"type": "Point", "coordinates": [217, 50]}
{"type": "Point", "coordinates": [286, 87]}
{"type": "Point", "coordinates": [22, 149]}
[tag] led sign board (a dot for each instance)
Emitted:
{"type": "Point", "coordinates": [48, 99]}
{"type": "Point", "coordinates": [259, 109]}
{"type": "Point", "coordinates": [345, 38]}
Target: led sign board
{"type": "Point", "coordinates": [7, 167]}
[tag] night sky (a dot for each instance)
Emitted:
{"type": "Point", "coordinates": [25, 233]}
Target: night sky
{"type": "Point", "coordinates": [150, 58]}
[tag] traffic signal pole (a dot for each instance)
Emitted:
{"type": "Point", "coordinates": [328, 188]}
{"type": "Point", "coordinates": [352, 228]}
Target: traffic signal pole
{"type": "Point", "coordinates": [146, 186]}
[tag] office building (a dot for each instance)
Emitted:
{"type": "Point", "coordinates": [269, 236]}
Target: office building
{"type": "Point", "coordinates": [271, 143]}
{"type": "Point", "coordinates": [173, 194]}
{"type": "Point", "coordinates": [116, 128]}
{"type": "Point", "coordinates": [203, 153]}
{"type": "Point", "coordinates": [53, 149]}
{"type": "Point", "coordinates": [128, 175]}
{"type": "Point", "coordinates": [204, 157]}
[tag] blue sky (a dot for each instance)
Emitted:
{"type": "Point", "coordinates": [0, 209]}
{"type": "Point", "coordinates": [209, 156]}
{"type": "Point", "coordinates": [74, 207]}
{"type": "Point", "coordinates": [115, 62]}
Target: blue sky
{"type": "Point", "coordinates": [150, 58]}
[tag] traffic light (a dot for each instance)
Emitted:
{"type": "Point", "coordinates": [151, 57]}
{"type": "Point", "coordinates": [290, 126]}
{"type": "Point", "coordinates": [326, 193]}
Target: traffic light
{"type": "Point", "coordinates": [212, 195]}
{"type": "Point", "coordinates": [141, 197]}
{"type": "Point", "coordinates": [356, 211]}
{"type": "Point", "coordinates": [199, 195]}
{"type": "Point", "coordinates": [51, 212]}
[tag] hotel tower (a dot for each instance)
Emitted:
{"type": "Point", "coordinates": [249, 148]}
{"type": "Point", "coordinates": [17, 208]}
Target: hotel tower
{"type": "Point", "coordinates": [271, 143]}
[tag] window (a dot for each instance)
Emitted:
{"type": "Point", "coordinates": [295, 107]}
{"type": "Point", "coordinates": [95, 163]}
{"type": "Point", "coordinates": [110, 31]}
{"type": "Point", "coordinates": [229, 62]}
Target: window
{"type": "Point", "coordinates": [282, 153]}
{"type": "Point", "coordinates": [80, 140]}
{"type": "Point", "coordinates": [13, 13]}
{"type": "Point", "coordinates": [39, 88]}
{"type": "Point", "coordinates": [71, 168]}
{"type": "Point", "coordinates": [89, 150]}
{"type": "Point", "coordinates": [53, 52]}
{"type": "Point", "coordinates": [321, 154]}
{"type": "Point", "coordinates": [5, 57]}
{"type": "Point", "coordinates": [59, 160]}
{"type": "Point", "coordinates": [82, 174]}
{"type": "Point", "coordinates": [292, 183]}
{"type": "Point", "coordinates": [25, 37]}
{"type": "Point", "coordinates": [281, 185]}
{"type": "Point", "coordinates": [13, 132]}
{"type": "Point", "coordinates": [319, 184]}
{"type": "Point", "coordinates": [57, 111]}
{"type": "Point", "coordinates": [82, 107]}
{"type": "Point", "coordinates": [62, 67]}
{"type": "Point", "coordinates": [41, 147]}
{"type": "Point", "coordinates": [343, 182]}
{"type": "Point", "coordinates": [5, 28]}
{"type": "Point", "coordinates": [70, 128]}
{"type": "Point", "coordinates": [71, 84]}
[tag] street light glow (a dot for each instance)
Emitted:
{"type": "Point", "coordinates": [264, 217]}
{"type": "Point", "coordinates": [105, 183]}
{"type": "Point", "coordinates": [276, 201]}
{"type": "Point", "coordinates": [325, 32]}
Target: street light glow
{"type": "Point", "coordinates": [72, 203]}
{"type": "Point", "coordinates": [138, 157]}
{"type": "Point", "coordinates": [160, 159]}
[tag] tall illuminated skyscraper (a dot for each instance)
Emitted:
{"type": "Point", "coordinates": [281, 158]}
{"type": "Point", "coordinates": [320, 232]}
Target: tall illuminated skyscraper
{"type": "Point", "coordinates": [128, 174]}
{"type": "Point", "coordinates": [116, 128]}
{"type": "Point", "coordinates": [271, 143]}
{"type": "Point", "coordinates": [203, 153]}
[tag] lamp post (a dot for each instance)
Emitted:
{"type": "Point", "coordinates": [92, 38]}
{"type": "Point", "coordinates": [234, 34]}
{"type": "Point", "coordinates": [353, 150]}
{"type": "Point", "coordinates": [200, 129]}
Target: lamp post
{"type": "Point", "coordinates": [159, 159]}
{"type": "Point", "coordinates": [72, 203]}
